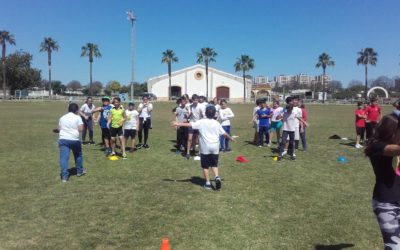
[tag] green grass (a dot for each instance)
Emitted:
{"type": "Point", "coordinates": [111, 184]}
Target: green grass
{"type": "Point", "coordinates": [132, 204]}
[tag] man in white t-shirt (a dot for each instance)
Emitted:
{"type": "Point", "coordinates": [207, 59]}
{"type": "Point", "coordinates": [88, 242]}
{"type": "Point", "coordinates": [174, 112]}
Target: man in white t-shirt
{"type": "Point", "coordinates": [210, 131]}
{"type": "Point", "coordinates": [69, 127]}
{"type": "Point", "coordinates": [86, 112]}
{"type": "Point", "coordinates": [145, 108]}
{"type": "Point", "coordinates": [299, 113]}
{"type": "Point", "coordinates": [130, 125]}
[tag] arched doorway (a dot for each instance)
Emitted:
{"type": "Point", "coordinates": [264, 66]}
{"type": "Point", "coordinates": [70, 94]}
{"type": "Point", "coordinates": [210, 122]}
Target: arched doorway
{"type": "Point", "coordinates": [176, 91]}
{"type": "Point", "coordinates": [264, 94]}
{"type": "Point", "coordinates": [223, 92]}
{"type": "Point", "coordinates": [371, 90]}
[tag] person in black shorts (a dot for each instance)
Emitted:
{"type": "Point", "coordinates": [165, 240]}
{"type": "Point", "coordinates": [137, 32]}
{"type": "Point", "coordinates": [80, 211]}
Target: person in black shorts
{"type": "Point", "coordinates": [383, 150]}
{"type": "Point", "coordinates": [130, 125]}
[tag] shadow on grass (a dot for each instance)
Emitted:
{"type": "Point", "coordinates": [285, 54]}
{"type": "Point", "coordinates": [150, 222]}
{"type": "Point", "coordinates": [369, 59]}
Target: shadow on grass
{"type": "Point", "coordinates": [72, 171]}
{"type": "Point", "coordinates": [334, 247]}
{"type": "Point", "coordinates": [349, 144]}
{"type": "Point", "coordinates": [194, 180]}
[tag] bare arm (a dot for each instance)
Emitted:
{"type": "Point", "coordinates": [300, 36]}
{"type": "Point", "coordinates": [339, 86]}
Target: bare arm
{"type": "Point", "coordinates": [80, 128]}
{"type": "Point", "coordinates": [391, 150]}
{"type": "Point", "coordinates": [109, 121]}
{"type": "Point", "coordinates": [181, 124]}
{"type": "Point", "coordinates": [229, 137]}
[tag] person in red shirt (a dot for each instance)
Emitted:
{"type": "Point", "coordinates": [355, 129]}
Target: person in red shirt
{"type": "Point", "coordinates": [360, 123]}
{"type": "Point", "coordinates": [373, 113]}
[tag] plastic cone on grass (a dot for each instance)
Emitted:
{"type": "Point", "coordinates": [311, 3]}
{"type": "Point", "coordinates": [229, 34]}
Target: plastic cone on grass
{"type": "Point", "coordinates": [165, 245]}
{"type": "Point", "coordinates": [241, 159]}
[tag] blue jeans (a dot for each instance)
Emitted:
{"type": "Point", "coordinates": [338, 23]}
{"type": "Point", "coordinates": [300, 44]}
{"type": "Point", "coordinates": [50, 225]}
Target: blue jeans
{"type": "Point", "coordinates": [263, 130]}
{"type": "Point", "coordinates": [224, 142]}
{"type": "Point", "coordinates": [76, 147]}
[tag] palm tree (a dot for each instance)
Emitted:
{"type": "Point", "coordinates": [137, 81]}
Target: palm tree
{"type": "Point", "coordinates": [367, 56]}
{"type": "Point", "coordinates": [91, 50]}
{"type": "Point", "coordinates": [324, 60]}
{"type": "Point", "coordinates": [169, 57]}
{"type": "Point", "coordinates": [5, 37]}
{"type": "Point", "coordinates": [48, 45]}
{"type": "Point", "coordinates": [206, 55]}
{"type": "Point", "coordinates": [244, 63]}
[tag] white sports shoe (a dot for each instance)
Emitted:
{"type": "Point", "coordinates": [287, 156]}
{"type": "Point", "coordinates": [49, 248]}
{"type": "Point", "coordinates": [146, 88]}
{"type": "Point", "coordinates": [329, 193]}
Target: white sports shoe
{"type": "Point", "coordinates": [284, 152]}
{"type": "Point", "coordinates": [358, 146]}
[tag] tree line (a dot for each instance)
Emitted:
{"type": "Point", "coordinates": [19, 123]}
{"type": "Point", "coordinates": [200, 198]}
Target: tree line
{"type": "Point", "coordinates": [17, 71]}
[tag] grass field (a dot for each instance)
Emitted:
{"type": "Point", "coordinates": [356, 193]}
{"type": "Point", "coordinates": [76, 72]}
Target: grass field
{"type": "Point", "coordinates": [312, 203]}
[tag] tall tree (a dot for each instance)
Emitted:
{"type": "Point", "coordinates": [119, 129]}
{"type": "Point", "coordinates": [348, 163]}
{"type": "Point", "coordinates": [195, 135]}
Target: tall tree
{"type": "Point", "coordinates": [244, 64]}
{"type": "Point", "coordinates": [367, 56]}
{"type": "Point", "coordinates": [324, 60]}
{"type": "Point", "coordinates": [206, 55]}
{"type": "Point", "coordinates": [5, 37]}
{"type": "Point", "coordinates": [90, 50]}
{"type": "Point", "coordinates": [49, 45]}
{"type": "Point", "coordinates": [169, 57]}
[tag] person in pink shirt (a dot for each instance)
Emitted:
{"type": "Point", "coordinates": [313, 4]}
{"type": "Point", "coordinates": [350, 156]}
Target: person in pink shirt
{"type": "Point", "coordinates": [373, 113]}
{"type": "Point", "coordinates": [360, 123]}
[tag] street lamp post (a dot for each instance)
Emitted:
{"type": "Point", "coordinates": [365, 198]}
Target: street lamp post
{"type": "Point", "coordinates": [132, 18]}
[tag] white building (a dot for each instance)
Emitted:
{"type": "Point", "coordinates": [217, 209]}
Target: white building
{"type": "Point", "coordinates": [192, 80]}
{"type": "Point", "coordinates": [261, 79]}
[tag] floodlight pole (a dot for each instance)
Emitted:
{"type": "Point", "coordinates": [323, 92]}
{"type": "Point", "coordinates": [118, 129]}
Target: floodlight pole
{"type": "Point", "coordinates": [132, 18]}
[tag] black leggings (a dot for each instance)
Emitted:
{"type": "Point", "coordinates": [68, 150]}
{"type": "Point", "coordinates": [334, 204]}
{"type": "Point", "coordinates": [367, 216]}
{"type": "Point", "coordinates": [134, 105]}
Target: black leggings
{"type": "Point", "coordinates": [144, 126]}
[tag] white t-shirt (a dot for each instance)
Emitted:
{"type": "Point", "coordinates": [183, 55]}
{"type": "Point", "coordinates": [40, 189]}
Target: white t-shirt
{"type": "Point", "coordinates": [86, 110]}
{"type": "Point", "coordinates": [131, 119]}
{"type": "Point", "coordinates": [210, 130]}
{"type": "Point", "coordinates": [217, 108]}
{"type": "Point", "coordinates": [196, 113]}
{"type": "Point", "coordinates": [202, 106]}
{"type": "Point", "coordinates": [275, 113]}
{"type": "Point", "coordinates": [68, 126]}
{"type": "Point", "coordinates": [289, 121]}
{"type": "Point", "coordinates": [225, 116]}
{"type": "Point", "coordinates": [299, 114]}
{"type": "Point", "coordinates": [145, 110]}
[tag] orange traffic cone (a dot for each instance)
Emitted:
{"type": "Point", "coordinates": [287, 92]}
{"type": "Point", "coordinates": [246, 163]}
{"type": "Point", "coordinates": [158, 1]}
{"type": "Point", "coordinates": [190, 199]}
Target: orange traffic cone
{"type": "Point", "coordinates": [165, 244]}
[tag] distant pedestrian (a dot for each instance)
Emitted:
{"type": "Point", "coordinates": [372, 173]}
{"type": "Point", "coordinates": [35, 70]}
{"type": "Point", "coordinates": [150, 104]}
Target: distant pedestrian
{"type": "Point", "coordinates": [373, 112]}
{"type": "Point", "coordinates": [86, 112]}
{"type": "Point", "coordinates": [225, 117]}
{"type": "Point", "coordinates": [263, 116]}
{"type": "Point", "coordinates": [304, 116]}
{"type": "Point", "coordinates": [360, 124]}
{"type": "Point", "coordinates": [130, 125]}
{"type": "Point", "coordinates": [145, 108]}
{"type": "Point", "coordinates": [69, 127]}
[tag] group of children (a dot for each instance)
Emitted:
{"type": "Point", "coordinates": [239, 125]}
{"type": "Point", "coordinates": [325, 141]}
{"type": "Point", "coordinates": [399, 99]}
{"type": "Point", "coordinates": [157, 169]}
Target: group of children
{"type": "Point", "coordinates": [366, 120]}
{"type": "Point", "coordinates": [117, 122]}
{"type": "Point", "coordinates": [193, 110]}
{"type": "Point", "coordinates": [288, 124]}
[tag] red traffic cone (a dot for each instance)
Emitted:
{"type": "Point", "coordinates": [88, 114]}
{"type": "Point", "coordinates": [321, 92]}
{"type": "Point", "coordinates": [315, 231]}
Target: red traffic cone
{"type": "Point", "coordinates": [241, 159]}
{"type": "Point", "coordinates": [165, 245]}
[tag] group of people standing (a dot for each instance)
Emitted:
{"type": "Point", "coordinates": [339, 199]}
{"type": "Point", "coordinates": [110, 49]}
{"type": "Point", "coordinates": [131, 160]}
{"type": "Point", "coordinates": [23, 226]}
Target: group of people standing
{"type": "Point", "coordinates": [367, 118]}
{"type": "Point", "coordinates": [288, 124]}
{"type": "Point", "coordinates": [115, 122]}
{"type": "Point", "coordinates": [193, 110]}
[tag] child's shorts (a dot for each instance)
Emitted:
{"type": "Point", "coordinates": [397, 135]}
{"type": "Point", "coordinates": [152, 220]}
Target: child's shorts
{"type": "Point", "coordinates": [116, 132]}
{"type": "Point", "coordinates": [130, 133]}
{"type": "Point", "coordinates": [360, 131]}
{"type": "Point", "coordinates": [209, 160]}
{"type": "Point", "coordinates": [193, 131]}
{"type": "Point", "coordinates": [275, 126]}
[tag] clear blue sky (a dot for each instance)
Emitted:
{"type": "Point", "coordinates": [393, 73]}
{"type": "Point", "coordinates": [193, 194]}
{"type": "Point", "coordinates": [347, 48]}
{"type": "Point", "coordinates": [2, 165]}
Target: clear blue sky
{"type": "Point", "coordinates": [283, 37]}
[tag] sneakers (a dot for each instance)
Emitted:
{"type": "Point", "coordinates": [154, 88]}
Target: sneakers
{"type": "Point", "coordinates": [187, 156]}
{"type": "Point", "coordinates": [139, 146]}
{"type": "Point", "coordinates": [207, 186]}
{"type": "Point", "coordinates": [269, 145]}
{"type": "Point", "coordinates": [293, 157]}
{"type": "Point", "coordinates": [260, 146]}
{"type": "Point", "coordinates": [358, 145]}
{"type": "Point", "coordinates": [80, 174]}
{"type": "Point", "coordinates": [283, 153]}
{"type": "Point", "coordinates": [64, 180]}
{"type": "Point", "coordinates": [91, 143]}
{"type": "Point", "coordinates": [146, 146]}
{"type": "Point", "coordinates": [218, 183]}
{"type": "Point", "coordinates": [113, 154]}
{"type": "Point", "coordinates": [124, 157]}
{"type": "Point", "coordinates": [85, 142]}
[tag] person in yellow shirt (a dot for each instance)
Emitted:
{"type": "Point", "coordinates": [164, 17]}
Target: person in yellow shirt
{"type": "Point", "coordinates": [116, 119]}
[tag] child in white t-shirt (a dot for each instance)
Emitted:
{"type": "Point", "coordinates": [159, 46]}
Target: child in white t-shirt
{"type": "Point", "coordinates": [210, 131]}
{"type": "Point", "coordinates": [130, 125]}
{"type": "Point", "coordinates": [225, 117]}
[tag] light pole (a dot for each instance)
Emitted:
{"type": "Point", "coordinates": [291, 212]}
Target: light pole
{"type": "Point", "coordinates": [132, 18]}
